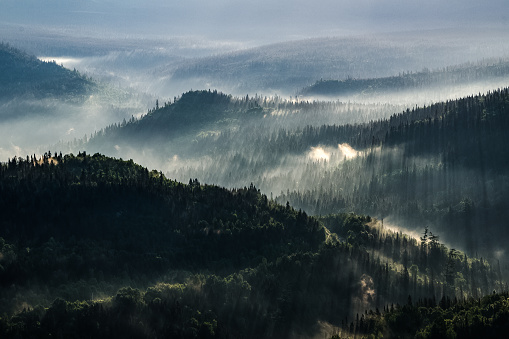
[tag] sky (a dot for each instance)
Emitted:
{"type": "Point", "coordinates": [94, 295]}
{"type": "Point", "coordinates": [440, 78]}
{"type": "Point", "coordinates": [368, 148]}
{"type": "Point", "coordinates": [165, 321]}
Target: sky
{"type": "Point", "coordinates": [261, 21]}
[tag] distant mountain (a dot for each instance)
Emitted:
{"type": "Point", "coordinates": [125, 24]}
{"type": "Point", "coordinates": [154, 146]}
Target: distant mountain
{"type": "Point", "coordinates": [287, 67]}
{"type": "Point", "coordinates": [186, 125]}
{"type": "Point", "coordinates": [54, 103]}
{"type": "Point", "coordinates": [192, 112]}
{"type": "Point", "coordinates": [420, 81]}
{"type": "Point", "coordinates": [106, 248]}
{"type": "Point", "coordinates": [172, 126]}
{"type": "Point", "coordinates": [26, 76]}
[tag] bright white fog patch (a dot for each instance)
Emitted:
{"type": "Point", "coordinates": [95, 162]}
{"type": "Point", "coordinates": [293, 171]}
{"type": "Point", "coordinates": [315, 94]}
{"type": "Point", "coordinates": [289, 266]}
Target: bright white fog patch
{"type": "Point", "coordinates": [347, 151]}
{"type": "Point", "coordinates": [67, 62]}
{"type": "Point", "coordinates": [389, 225]}
{"type": "Point", "coordinates": [333, 155]}
{"type": "Point", "coordinates": [318, 154]}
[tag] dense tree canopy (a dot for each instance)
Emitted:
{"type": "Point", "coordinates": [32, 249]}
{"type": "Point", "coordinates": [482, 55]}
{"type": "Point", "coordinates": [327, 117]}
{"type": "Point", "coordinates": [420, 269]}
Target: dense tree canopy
{"type": "Point", "coordinates": [106, 248]}
{"type": "Point", "coordinates": [434, 165]}
{"type": "Point", "coordinates": [25, 75]}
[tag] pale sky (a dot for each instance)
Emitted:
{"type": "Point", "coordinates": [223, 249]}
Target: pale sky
{"type": "Point", "coordinates": [254, 20]}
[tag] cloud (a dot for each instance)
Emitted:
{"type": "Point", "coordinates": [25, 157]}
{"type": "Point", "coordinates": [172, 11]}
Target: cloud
{"type": "Point", "coordinates": [347, 151]}
{"type": "Point", "coordinates": [318, 153]}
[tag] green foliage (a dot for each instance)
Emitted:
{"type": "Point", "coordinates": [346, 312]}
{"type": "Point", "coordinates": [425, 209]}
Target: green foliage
{"type": "Point", "coordinates": [205, 122]}
{"type": "Point", "coordinates": [85, 224]}
{"type": "Point", "coordinates": [442, 165]}
{"type": "Point", "coordinates": [486, 317]}
{"type": "Point", "coordinates": [202, 261]}
{"type": "Point", "coordinates": [27, 76]}
{"type": "Point", "coordinates": [436, 165]}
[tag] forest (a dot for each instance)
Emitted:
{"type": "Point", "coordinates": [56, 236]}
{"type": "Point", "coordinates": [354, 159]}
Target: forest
{"type": "Point", "coordinates": [288, 67]}
{"type": "Point", "coordinates": [42, 102]}
{"type": "Point", "coordinates": [461, 74]}
{"type": "Point", "coordinates": [271, 170]}
{"type": "Point", "coordinates": [161, 258]}
{"type": "Point", "coordinates": [485, 317]}
{"type": "Point", "coordinates": [39, 79]}
{"type": "Point", "coordinates": [433, 166]}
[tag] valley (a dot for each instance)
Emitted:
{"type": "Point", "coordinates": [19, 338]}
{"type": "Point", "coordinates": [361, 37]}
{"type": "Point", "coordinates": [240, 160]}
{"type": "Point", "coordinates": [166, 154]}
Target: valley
{"type": "Point", "coordinates": [260, 171]}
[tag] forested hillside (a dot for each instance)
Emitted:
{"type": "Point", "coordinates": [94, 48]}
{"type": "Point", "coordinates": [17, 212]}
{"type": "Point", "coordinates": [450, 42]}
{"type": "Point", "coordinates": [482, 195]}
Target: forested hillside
{"type": "Point", "coordinates": [98, 203]}
{"type": "Point", "coordinates": [289, 66]}
{"type": "Point", "coordinates": [271, 170]}
{"type": "Point", "coordinates": [198, 122]}
{"type": "Point", "coordinates": [486, 317]}
{"type": "Point", "coordinates": [42, 103]}
{"type": "Point", "coordinates": [25, 75]}
{"type": "Point", "coordinates": [128, 252]}
{"type": "Point", "coordinates": [443, 164]}
{"type": "Point", "coordinates": [404, 82]}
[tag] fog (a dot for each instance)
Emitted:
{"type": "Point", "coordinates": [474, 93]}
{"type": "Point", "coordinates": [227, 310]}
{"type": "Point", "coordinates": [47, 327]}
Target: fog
{"type": "Point", "coordinates": [170, 68]}
{"type": "Point", "coordinates": [32, 126]}
{"type": "Point", "coordinates": [419, 97]}
{"type": "Point", "coordinates": [263, 21]}
{"type": "Point", "coordinates": [324, 175]}
{"type": "Point", "coordinates": [239, 47]}
{"type": "Point", "coordinates": [321, 153]}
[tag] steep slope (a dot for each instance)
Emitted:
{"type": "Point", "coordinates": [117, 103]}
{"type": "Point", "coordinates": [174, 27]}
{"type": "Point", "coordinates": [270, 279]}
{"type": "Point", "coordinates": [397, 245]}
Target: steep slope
{"type": "Point", "coordinates": [194, 112]}
{"type": "Point", "coordinates": [82, 217]}
{"type": "Point", "coordinates": [105, 200]}
{"type": "Point", "coordinates": [443, 165]}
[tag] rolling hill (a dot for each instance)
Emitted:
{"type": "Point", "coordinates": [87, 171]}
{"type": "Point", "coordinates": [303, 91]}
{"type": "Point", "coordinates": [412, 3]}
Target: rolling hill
{"type": "Point", "coordinates": [105, 248]}
{"type": "Point", "coordinates": [42, 103]}
{"type": "Point", "coordinates": [287, 67]}
{"type": "Point", "coordinates": [26, 76]}
{"type": "Point", "coordinates": [420, 81]}
{"type": "Point", "coordinates": [415, 168]}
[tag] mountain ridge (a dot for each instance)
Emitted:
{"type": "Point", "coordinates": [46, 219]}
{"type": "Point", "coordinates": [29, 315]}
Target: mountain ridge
{"type": "Point", "coordinates": [24, 75]}
{"type": "Point", "coordinates": [450, 76]}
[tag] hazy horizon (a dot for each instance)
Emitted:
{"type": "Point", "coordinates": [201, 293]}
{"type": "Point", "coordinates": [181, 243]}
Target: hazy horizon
{"type": "Point", "coordinates": [253, 24]}
{"type": "Point", "coordinates": [350, 112]}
